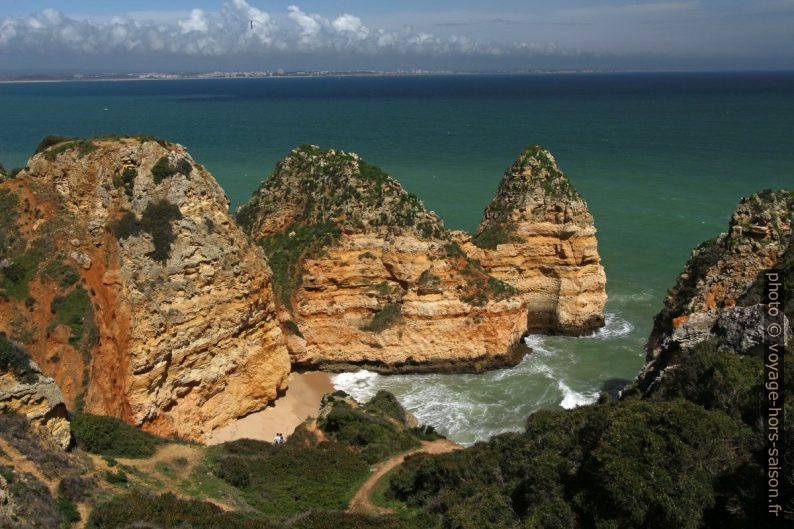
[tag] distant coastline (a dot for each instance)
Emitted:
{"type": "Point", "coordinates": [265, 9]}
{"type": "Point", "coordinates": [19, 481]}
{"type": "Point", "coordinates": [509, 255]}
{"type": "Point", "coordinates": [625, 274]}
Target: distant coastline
{"type": "Point", "coordinates": [280, 74]}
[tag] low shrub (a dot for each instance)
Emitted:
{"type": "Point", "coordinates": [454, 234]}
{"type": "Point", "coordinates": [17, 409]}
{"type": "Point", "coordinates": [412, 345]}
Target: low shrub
{"type": "Point", "coordinates": [109, 436]}
{"type": "Point", "coordinates": [233, 469]}
{"type": "Point", "coordinates": [16, 360]}
{"type": "Point", "coordinates": [375, 437]}
{"type": "Point", "coordinates": [341, 520]}
{"type": "Point", "coordinates": [118, 477]}
{"type": "Point", "coordinates": [387, 405]}
{"type": "Point", "coordinates": [73, 310]}
{"type": "Point", "coordinates": [388, 316]}
{"type": "Point", "coordinates": [77, 488]}
{"type": "Point", "coordinates": [156, 221]}
{"type": "Point", "coordinates": [68, 511]}
{"type": "Point", "coordinates": [166, 511]}
{"type": "Point", "coordinates": [290, 479]}
{"type": "Point", "coordinates": [49, 141]}
{"type": "Point", "coordinates": [165, 168]}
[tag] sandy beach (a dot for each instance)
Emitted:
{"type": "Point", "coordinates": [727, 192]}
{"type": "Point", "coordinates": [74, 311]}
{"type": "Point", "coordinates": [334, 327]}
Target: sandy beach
{"type": "Point", "coordinates": [302, 400]}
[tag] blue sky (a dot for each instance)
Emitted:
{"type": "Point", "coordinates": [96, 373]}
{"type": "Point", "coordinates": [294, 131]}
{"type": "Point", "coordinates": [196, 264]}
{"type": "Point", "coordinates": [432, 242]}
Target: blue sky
{"type": "Point", "coordinates": [352, 34]}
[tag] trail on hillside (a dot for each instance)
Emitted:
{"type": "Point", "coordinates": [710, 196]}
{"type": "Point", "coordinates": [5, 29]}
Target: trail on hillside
{"type": "Point", "coordinates": [362, 501]}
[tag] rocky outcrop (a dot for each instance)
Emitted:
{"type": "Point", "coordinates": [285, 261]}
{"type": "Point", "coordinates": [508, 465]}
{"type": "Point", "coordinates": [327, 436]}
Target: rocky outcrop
{"type": "Point", "coordinates": [538, 236]}
{"type": "Point", "coordinates": [717, 296]}
{"type": "Point", "coordinates": [147, 301]}
{"type": "Point", "coordinates": [366, 277]}
{"type": "Point", "coordinates": [26, 391]}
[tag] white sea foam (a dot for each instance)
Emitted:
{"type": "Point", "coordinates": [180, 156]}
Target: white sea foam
{"type": "Point", "coordinates": [573, 399]}
{"type": "Point", "coordinates": [469, 408]}
{"type": "Point", "coordinates": [614, 327]}
{"type": "Point", "coordinates": [361, 385]}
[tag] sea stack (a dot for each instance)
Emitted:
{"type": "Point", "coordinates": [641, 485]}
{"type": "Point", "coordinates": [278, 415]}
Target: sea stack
{"type": "Point", "coordinates": [538, 236]}
{"type": "Point", "coordinates": [366, 277]}
{"type": "Point", "coordinates": [132, 287]}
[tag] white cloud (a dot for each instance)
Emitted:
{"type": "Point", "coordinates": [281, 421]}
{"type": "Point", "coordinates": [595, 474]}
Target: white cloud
{"type": "Point", "coordinates": [237, 27]}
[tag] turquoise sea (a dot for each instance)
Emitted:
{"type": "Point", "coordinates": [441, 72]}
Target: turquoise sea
{"type": "Point", "coordinates": [662, 160]}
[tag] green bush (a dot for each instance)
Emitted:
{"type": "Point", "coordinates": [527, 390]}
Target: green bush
{"type": "Point", "coordinates": [716, 380]}
{"type": "Point", "coordinates": [118, 477]}
{"type": "Point", "coordinates": [73, 310]}
{"type": "Point", "coordinates": [166, 511]}
{"type": "Point", "coordinates": [63, 274]}
{"type": "Point", "coordinates": [491, 237]}
{"type": "Point", "coordinates": [164, 168]}
{"type": "Point", "coordinates": [374, 436]}
{"type": "Point", "coordinates": [291, 479]}
{"type": "Point", "coordinates": [387, 405]}
{"type": "Point", "coordinates": [234, 470]}
{"type": "Point", "coordinates": [16, 360]}
{"type": "Point", "coordinates": [286, 250]}
{"type": "Point", "coordinates": [49, 141]}
{"type": "Point", "coordinates": [109, 436]}
{"type": "Point", "coordinates": [76, 488]}
{"type": "Point", "coordinates": [68, 511]}
{"type": "Point", "coordinates": [156, 221]}
{"type": "Point", "coordinates": [626, 464]}
{"type": "Point", "coordinates": [388, 316]}
{"type": "Point", "coordinates": [340, 520]}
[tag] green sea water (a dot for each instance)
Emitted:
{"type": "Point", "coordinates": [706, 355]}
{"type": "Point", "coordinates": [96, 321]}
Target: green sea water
{"type": "Point", "coordinates": [662, 159]}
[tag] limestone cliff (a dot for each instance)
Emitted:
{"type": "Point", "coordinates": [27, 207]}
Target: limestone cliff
{"type": "Point", "coordinates": [538, 236]}
{"type": "Point", "coordinates": [130, 284]}
{"type": "Point", "coordinates": [365, 276]}
{"type": "Point", "coordinates": [26, 391]}
{"type": "Point", "coordinates": [716, 298]}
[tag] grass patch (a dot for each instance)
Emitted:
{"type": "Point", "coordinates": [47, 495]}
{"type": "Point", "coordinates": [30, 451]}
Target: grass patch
{"type": "Point", "coordinates": [388, 316]}
{"type": "Point", "coordinates": [156, 221]}
{"type": "Point", "coordinates": [108, 436]}
{"type": "Point", "coordinates": [74, 310]}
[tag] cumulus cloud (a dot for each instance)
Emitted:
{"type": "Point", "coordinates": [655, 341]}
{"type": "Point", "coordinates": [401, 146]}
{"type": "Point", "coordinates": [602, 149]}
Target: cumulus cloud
{"type": "Point", "coordinates": [237, 27]}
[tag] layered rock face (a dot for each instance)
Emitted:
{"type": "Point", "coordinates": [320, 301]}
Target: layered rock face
{"type": "Point", "coordinates": [366, 277]}
{"type": "Point", "coordinates": [717, 296]}
{"type": "Point", "coordinates": [538, 236]}
{"type": "Point", "coordinates": [26, 391]}
{"type": "Point", "coordinates": [136, 291]}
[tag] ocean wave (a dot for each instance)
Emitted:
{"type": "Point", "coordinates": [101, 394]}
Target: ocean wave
{"type": "Point", "coordinates": [615, 326]}
{"type": "Point", "coordinates": [573, 399]}
{"type": "Point", "coordinates": [361, 385]}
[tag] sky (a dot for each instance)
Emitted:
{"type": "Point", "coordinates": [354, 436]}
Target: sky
{"type": "Point", "coordinates": [201, 35]}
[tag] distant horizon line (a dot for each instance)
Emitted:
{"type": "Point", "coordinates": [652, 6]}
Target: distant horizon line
{"type": "Point", "coordinates": [166, 75]}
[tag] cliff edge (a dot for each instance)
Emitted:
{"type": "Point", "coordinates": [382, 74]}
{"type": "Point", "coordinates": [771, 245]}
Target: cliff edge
{"type": "Point", "coordinates": [126, 279]}
{"type": "Point", "coordinates": [717, 297]}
